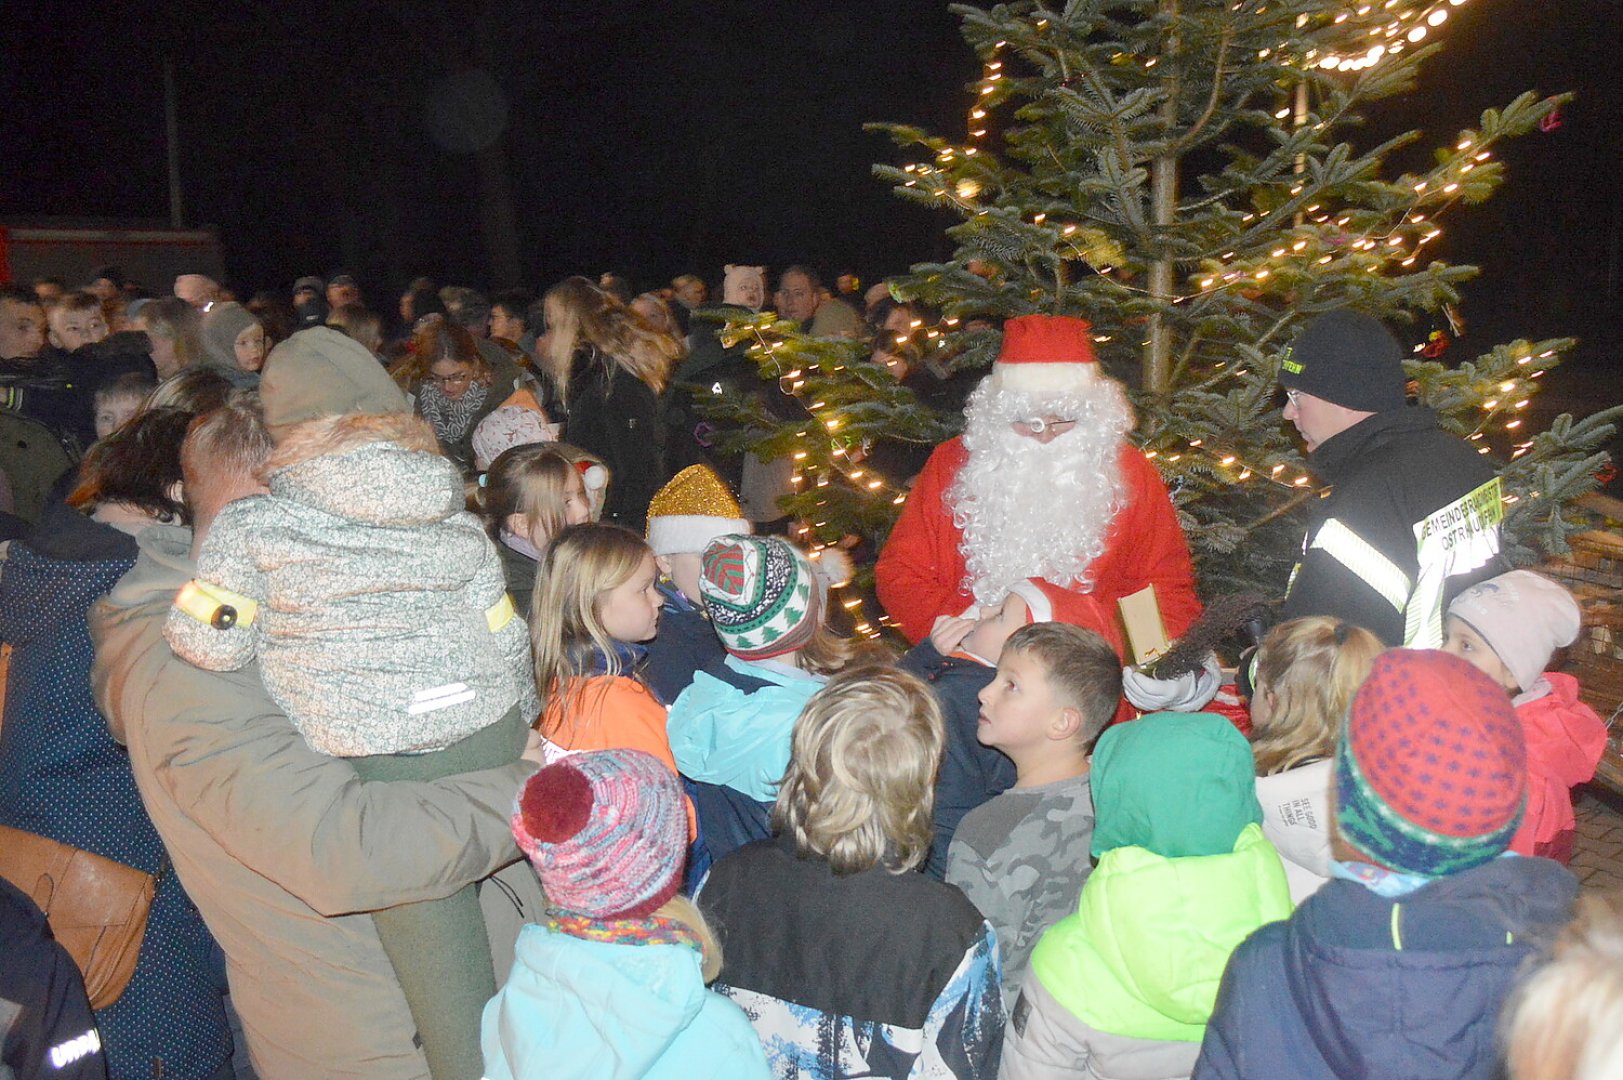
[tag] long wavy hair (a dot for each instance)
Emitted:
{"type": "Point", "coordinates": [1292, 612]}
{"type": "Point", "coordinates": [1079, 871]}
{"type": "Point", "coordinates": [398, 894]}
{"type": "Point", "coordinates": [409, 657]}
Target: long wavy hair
{"type": "Point", "coordinates": [582, 317]}
{"type": "Point", "coordinates": [583, 562]}
{"type": "Point", "coordinates": [437, 338]}
{"type": "Point", "coordinates": [1312, 666]}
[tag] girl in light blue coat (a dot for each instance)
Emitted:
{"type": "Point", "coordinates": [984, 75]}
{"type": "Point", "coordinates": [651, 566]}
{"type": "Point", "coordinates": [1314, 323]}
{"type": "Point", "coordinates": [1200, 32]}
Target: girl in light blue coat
{"type": "Point", "coordinates": [613, 986]}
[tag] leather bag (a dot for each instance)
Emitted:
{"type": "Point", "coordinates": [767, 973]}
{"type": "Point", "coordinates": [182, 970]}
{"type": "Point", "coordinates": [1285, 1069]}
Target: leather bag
{"type": "Point", "coordinates": [97, 908]}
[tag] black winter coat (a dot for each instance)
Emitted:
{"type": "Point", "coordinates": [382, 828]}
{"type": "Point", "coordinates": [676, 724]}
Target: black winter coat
{"type": "Point", "coordinates": [617, 418]}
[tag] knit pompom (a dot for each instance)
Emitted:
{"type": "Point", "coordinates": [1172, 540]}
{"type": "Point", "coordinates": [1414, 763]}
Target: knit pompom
{"type": "Point", "coordinates": [557, 803]}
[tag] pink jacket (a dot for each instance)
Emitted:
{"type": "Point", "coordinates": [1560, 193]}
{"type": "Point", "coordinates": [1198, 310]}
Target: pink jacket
{"type": "Point", "coordinates": [1565, 740]}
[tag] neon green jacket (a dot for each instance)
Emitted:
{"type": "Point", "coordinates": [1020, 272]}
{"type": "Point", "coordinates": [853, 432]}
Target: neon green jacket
{"type": "Point", "coordinates": [1145, 950]}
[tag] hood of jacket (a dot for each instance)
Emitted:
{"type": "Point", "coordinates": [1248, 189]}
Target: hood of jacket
{"type": "Point", "coordinates": [1413, 986]}
{"type": "Point", "coordinates": [1145, 951]}
{"type": "Point", "coordinates": [590, 1008]}
{"type": "Point", "coordinates": [1345, 451]}
{"type": "Point", "coordinates": [377, 484]}
{"type": "Point", "coordinates": [1565, 737]}
{"type": "Point", "coordinates": [721, 734]}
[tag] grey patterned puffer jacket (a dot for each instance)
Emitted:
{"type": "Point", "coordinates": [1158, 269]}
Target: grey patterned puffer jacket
{"type": "Point", "coordinates": [382, 623]}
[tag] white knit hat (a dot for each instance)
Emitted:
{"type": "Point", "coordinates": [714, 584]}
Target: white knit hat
{"type": "Point", "coordinates": [1524, 617]}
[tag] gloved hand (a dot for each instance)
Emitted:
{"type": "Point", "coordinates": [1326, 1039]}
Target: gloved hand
{"type": "Point", "coordinates": [1187, 693]}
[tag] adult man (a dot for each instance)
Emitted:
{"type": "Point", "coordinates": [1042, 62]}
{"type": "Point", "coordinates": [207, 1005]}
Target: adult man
{"type": "Point", "coordinates": [310, 301]}
{"type": "Point", "coordinates": [1414, 515]}
{"type": "Point", "coordinates": [198, 290]}
{"type": "Point", "coordinates": [278, 844]}
{"type": "Point", "coordinates": [22, 324]}
{"type": "Point", "coordinates": [39, 392]}
{"type": "Point", "coordinates": [689, 290]}
{"type": "Point", "coordinates": [800, 299]}
{"type": "Point", "coordinates": [1042, 484]}
{"type": "Point", "coordinates": [342, 290]}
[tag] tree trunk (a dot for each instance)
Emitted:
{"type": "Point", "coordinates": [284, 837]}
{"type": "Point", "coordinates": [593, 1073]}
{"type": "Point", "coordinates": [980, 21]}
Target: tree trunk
{"type": "Point", "coordinates": [1164, 196]}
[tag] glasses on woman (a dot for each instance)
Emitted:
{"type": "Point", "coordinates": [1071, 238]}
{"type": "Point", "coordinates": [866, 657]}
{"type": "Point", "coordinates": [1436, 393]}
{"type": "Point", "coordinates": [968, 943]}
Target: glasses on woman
{"type": "Point", "coordinates": [446, 382]}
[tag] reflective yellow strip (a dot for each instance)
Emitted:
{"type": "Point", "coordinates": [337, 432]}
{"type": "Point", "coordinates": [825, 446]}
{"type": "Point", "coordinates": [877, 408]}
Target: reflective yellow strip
{"type": "Point", "coordinates": [500, 613]}
{"type": "Point", "coordinates": [202, 601]}
{"type": "Point", "coordinates": [1361, 557]}
{"type": "Point", "coordinates": [1397, 932]}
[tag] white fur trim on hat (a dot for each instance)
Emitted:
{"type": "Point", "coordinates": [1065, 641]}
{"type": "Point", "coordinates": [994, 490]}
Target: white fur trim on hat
{"type": "Point", "coordinates": [678, 534]}
{"type": "Point", "coordinates": [1050, 378]}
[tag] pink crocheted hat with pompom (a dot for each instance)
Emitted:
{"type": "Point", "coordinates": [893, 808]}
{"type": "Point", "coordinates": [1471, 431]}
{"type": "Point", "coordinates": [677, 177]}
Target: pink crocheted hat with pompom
{"type": "Point", "coordinates": [606, 831]}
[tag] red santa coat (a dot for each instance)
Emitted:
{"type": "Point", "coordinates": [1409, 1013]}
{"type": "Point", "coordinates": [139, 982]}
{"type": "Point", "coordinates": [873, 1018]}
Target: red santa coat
{"type": "Point", "coordinates": [921, 572]}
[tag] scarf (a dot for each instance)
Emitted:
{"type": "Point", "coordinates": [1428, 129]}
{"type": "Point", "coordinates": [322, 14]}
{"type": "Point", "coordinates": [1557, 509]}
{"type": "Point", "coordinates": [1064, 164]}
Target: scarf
{"type": "Point", "coordinates": [451, 419]}
{"type": "Point", "coordinates": [653, 930]}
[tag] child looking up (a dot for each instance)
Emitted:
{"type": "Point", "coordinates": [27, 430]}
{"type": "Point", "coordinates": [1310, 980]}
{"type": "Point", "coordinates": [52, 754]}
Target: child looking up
{"type": "Point", "coordinates": [1306, 674]}
{"type": "Point", "coordinates": [1022, 857]}
{"type": "Point", "coordinates": [686, 514]}
{"type": "Point", "coordinates": [527, 496]}
{"type": "Point", "coordinates": [119, 399]}
{"type": "Point", "coordinates": [958, 659]}
{"type": "Point", "coordinates": [731, 729]}
{"type": "Point", "coordinates": [376, 608]}
{"type": "Point", "coordinates": [613, 986]}
{"type": "Point", "coordinates": [1124, 986]}
{"type": "Point", "coordinates": [1508, 628]}
{"type": "Point", "coordinates": [846, 962]}
{"type": "Point", "coordinates": [1400, 964]}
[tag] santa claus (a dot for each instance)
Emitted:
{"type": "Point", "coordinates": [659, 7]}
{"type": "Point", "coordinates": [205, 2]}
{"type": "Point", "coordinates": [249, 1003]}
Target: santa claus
{"type": "Point", "coordinates": [1042, 484]}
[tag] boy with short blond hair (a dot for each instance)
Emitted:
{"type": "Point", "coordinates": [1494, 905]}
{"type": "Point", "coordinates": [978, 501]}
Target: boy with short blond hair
{"type": "Point", "coordinates": [1022, 857]}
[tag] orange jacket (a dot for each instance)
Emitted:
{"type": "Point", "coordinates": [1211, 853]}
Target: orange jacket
{"type": "Point", "coordinates": [1565, 740]}
{"type": "Point", "coordinates": [921, 572]}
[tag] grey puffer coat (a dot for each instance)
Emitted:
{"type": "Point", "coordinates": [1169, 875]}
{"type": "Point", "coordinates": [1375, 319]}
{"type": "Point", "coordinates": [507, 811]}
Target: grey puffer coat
{"type": "Point", "coordinates": [383, 624]}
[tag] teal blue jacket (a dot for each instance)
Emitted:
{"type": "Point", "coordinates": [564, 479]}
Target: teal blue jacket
{"type": "Point", "coordinates": [723, 734]}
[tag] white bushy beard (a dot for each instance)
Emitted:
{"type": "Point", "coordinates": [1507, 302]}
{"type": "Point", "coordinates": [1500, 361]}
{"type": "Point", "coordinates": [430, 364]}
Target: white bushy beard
{"type": "Point", "coordinates": [1029, 509]}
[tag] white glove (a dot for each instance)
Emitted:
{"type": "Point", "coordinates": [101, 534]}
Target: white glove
{"type": "Point", "coordinates": [1186, 693]}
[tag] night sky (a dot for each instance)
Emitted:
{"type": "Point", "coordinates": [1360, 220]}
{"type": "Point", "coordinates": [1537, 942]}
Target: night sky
{"type": "Point", "coordinates": [660, 138]}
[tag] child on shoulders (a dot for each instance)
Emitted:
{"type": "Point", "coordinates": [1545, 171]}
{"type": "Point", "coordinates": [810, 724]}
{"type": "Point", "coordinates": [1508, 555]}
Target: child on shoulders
{"type": "Point", "coordinates": [1508, 628]}
{"type": "Point", "coordinates": [958, 660]}
{"type": "Point", "coordinates": [1305, 676]}
{"type": "Point", "coordinates": [1022, 857]}
{"type": "Point", "coordinates": [731, 729]}
{"type": "Point", "coordinates": [1124, 986]}
{"type": "Point", "coordinates": [613, 986]}
{"type": "Point", "coordinates": [846, 961]}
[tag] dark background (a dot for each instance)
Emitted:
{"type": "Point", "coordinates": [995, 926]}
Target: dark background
{"type": "Point", "coordinates": [658, 138]}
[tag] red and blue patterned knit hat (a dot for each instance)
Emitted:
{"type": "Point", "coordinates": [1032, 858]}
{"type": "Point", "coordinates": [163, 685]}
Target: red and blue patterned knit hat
{"type": "Point", "coordinates": [607, 832]}
{"type": "Point", "coordinates": [1431, 769]}
{"type": "Point", "coordinates": [762, 594]}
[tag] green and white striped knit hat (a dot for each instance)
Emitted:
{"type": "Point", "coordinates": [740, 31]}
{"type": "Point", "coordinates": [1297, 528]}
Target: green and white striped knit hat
{"type": "Point", "coordinates": [762, 594]}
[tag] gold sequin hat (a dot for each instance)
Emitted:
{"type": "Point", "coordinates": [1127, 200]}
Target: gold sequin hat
{"type": "Point", "coordinates": [692, 510]}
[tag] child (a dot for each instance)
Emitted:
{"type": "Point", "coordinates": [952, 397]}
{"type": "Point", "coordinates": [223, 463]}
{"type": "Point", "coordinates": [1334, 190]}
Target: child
{"type": "Point", "coordinates": [613, 986]}
{"type": "Point", "coordinates": [1124, 986]}
{"type": "Point", "coordinates": [1022, 857]}
{"type": "Point", "coordinates": [594, 609]}
{"type": "Point", "coordinates": [686, 514]}
{"type": "Point", "coordinates": [1399, 966]}
{"type": "Point", "coordinates": [528, 495]}
{"type": "Point", "coordinates": [958, 660]}
{"type": "Point", "coordinates": [846, 962]}
{"type": "Point", "coordinates": [376, 608]}
{"type": "Point", "coordinates": [119, 399]}
{"type": "Point", "coordinates": [1508, 628]}
{"type": "Point", "coordinates": [1306, 673]}
{"type": "Point", "coordinates": [731, 729]}
{"type": "Point", "coordinates": [1565, 1022]}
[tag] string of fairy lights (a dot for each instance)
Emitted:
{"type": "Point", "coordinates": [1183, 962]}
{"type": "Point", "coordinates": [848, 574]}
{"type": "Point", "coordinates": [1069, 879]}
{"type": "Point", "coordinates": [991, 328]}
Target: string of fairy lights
{"type": "Point", "coordinates": [1311, 242]}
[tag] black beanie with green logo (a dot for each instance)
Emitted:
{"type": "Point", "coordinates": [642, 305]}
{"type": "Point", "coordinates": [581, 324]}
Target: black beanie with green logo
{"type": "Point", "coordinates": [1347, 358]}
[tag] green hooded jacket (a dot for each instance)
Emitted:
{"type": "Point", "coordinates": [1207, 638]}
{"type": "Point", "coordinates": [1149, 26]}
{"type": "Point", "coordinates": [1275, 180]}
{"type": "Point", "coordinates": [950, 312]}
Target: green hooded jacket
{"type": "Point", "coordinates": [1184, 876]}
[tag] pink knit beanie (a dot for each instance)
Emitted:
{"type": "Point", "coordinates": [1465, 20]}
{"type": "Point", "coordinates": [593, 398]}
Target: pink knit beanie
{"type": "Point", "coordinates": [1524, 617]}
{"type": "Point", "coordinates": [606, 831]}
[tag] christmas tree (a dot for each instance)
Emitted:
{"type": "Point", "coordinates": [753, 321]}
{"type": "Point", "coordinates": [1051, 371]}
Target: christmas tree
{"type": "Point", "coordinates": [1181, 174]}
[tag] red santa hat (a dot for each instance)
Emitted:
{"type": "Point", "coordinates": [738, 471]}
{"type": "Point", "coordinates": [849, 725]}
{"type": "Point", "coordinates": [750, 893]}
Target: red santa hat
{"type": "Point", "coordinates": [1047, 602]}
{"type": "Point", "coordinates": [1045, 354]}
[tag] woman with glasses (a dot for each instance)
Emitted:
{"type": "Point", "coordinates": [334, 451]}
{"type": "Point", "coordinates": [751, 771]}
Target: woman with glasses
{"type": "Point", "coordinates": [451, 383]}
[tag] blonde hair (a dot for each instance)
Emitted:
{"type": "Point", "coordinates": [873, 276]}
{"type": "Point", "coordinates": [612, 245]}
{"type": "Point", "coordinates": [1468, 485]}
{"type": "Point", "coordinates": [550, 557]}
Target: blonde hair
{"type": "Point", "coordinates": [1312, 667]}
{"type": "Point", "coordinates": [1565, 1021]}
{"type": "Point", "coordinates": [566, 632]}
{"type": "Point", "coordinates": [531, 481]}
{"type": "Point", "coordinates": [681, 909]}
{"type": "Point", "coordinates": [581, 315]}
{"type": "Point", "coordinates": [860, 787]}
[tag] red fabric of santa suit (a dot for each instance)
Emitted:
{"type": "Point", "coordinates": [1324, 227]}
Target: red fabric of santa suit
{"type": "Point", "coordinates": [921, 572]}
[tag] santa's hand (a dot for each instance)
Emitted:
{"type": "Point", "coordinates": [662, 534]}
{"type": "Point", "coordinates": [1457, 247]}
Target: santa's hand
{"type": "Point", "coordinates": [949, 632]}
{"type": "Point", "coordinates": [1186, 693]}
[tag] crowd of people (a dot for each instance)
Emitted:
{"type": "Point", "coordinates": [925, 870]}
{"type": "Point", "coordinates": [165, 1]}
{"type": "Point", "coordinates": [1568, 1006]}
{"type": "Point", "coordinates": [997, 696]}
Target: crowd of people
{"type": "Point", "coordinates": [475, 715]}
